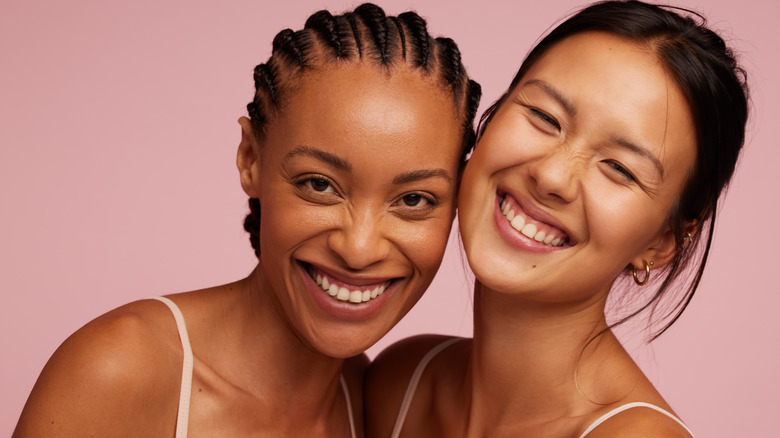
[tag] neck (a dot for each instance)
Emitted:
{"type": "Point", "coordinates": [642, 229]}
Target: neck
{"type": "Point", "coordinates": [536, 360]}
{"type": "Point", "coordinates": [277, 366]}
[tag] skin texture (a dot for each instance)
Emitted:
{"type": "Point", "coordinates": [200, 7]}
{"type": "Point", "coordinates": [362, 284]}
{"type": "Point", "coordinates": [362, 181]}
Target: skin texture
{"type": "Point", "coordinates": [594, 144]}
{"type": "Point", "coordinates": [267, 356]}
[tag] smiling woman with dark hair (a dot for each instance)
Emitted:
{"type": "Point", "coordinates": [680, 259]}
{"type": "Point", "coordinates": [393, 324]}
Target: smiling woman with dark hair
{"type": "Point", "coordinates": [351, 156]}
{"type": "Point", "coordinates": [604, 160]}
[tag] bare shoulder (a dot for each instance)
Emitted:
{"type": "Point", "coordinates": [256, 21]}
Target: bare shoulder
{"type": "Point", "coordinates": [640, 422]}
{"type": "Point", "coordinates": [387, 379]}
{"type": "Point", "coordinates": [119, 371]}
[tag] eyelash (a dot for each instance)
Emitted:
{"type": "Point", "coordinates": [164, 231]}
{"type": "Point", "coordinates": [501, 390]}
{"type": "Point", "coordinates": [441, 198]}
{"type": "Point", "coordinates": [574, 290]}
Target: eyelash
{"type": "Point", "coordinates": [622, 170]}
{"type": "Point", "coordinates": [307, 185]}
{"type": "Point", "coordinates": [429, 199]}
{"type": "Point", "coordinates": [546, 118]}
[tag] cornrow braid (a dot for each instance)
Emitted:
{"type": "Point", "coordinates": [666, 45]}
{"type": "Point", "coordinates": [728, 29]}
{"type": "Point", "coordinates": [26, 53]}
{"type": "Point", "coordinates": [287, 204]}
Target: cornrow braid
{"type": "Point", "coordinates": [420, 40]}
{"type": "Point", "coordinates": [365, 35]}
{"type": "Point", "coordinates": [355, 32]}
{"type": "Point", "coordinates": [375, 19]}
{"type": "Point", "coordinates": [473, 94]}
{"type": "Point", "coordinates": [326, 26]}
{"type": "Point", "coordinates": [291, 47]}
{"type": "Point", "coordinates": [400, 35]}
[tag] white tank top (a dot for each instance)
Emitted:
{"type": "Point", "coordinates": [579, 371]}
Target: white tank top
{"type": "Point", "coordinates": [415, 380]}
{"type": "Point", "coordinates": [183, 418]}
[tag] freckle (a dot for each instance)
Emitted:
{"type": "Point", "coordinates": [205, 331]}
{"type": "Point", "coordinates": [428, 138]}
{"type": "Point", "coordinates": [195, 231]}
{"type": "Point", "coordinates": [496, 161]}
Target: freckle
{"type": "Point", "coordinates": [533, 266]}
{"type": "Point", "coordinates": [200, 389]}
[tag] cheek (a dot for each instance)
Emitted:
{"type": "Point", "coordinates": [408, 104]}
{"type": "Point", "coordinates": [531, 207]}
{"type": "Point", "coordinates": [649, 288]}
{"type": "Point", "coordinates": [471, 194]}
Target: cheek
{"type": "Point", "coordinates": [286, 222]}
{"type": "Point", "coordinates": [623, 222]}
{"type": "Point", "coordinates": [423, 243]}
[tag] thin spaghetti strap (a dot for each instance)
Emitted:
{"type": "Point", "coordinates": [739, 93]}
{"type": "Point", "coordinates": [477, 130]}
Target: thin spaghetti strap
{"type": "Point", "coordinates": [349, 406]}
{"type": "Point", "coordinates": [183, 417]}
{"type": "Point", "coordinates": [627, 406]}
{"type": "Point", "coordinates": [415, 380]}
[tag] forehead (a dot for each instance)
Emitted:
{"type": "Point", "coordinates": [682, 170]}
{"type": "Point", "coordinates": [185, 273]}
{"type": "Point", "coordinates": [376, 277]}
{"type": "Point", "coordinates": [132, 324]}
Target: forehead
{"type": "Point", "coordinates": [358, 104]}
{"type": "Point", "coordinates": [608, 62]}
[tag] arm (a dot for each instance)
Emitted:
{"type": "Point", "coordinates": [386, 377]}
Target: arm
{"type": "Point", "coordinates": [117, 376]}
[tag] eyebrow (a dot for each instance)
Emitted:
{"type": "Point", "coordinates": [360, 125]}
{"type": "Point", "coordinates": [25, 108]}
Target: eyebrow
{"type": "Point", "coordinates": [572, 110]}
{"type": "Point", "coordinates": [343, 165]}
{"type": "Point", "coordinates": [321, 155]}
{"type": "Point", "coordinates": [644, 152]}
{"type": "Point", "coordinates": [555, 94]}
{"type": "Point", "coordinates": [418, 175]}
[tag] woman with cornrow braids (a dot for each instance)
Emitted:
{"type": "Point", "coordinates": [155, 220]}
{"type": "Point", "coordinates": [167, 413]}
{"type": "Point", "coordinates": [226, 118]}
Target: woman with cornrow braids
{"type": "Point", "coordinates": [351, 155]}
{"type": "Point", "coordinates": [598, 172]}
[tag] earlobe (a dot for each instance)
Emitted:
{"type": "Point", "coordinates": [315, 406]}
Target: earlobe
{"type": "Point", "coordinates": [665, 248]}
{"type": "Point", "coordinates": [659, 253]}
{"type": "Point", "coordinates": [248, 158]}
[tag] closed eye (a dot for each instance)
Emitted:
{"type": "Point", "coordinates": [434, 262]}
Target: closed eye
{"type": "Point", "coordinates": [618, 168]}
{"type": "Point", "coordinates": [546, 118]}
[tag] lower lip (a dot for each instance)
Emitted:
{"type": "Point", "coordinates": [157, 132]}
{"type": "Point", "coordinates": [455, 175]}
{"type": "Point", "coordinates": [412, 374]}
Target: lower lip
{"type": "Point", "coordinates": [344, 309]}
{"type": "Point", "coordinates": [516, 238]}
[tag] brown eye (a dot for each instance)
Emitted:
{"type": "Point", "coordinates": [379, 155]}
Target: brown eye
{"type": "Point", "coordinates": [319, 185]}
{"type": "Point", "coordinates": [413, 200]}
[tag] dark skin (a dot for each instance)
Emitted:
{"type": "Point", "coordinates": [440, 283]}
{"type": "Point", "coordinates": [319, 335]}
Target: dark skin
{"type": "Point", "coordinates": [270, 349]}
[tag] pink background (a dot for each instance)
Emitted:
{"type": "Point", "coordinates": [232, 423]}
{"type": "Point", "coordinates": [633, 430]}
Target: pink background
{"type": "Point", "coordinates": [117, 143]}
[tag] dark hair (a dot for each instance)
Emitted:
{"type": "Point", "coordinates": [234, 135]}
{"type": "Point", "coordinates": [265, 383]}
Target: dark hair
{"type": "Point", "coordinates": [365, 35]}
{"type": "Point", "coordinates": [715, 88]}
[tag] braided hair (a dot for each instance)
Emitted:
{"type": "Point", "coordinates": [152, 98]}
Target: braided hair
{"type": "Point", "coordinates": [364, 35]}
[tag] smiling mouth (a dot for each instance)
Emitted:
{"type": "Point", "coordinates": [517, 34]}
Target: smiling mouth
{"type": "Point", "coordinates": [344, 292]}
{"type": "Point", "coordinates": [530, 227]}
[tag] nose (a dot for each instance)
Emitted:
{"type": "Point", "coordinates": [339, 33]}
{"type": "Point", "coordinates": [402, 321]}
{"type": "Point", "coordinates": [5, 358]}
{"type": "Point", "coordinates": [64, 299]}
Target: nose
{"type": "Point", "coordinates": [555, 174]}
{"type": "Point", "coordinates": [360, 241]}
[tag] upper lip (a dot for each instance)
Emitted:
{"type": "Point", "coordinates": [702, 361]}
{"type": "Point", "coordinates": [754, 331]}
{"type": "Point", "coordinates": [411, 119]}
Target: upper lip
{"type": "Point", "coordinates": [360, 280]}
{"type": "Point", "coordinates": [538, 213]}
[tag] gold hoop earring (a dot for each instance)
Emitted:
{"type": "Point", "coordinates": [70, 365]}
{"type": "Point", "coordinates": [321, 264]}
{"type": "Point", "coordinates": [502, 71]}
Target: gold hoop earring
{"type": "Point", "coordinates": [647, 273]}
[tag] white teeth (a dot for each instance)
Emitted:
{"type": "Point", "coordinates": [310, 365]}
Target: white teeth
{"type": "Point", "coordinates": [517, 222]}
{"type": "Point", "coordinates": [529, 230]}
{"type": "Point", "coordinates": [343, 294]}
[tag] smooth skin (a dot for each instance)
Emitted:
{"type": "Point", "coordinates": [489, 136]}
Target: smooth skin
{"type": "Point", "coordinates": [595, 143]}
{"type": "Point", "coordinates": [356, 179]}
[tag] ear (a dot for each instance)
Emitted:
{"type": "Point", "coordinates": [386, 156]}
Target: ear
{"type": "Point", "coordinates": [248, 158]}
{"type": "Point", "coordinates": [662, 250]}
